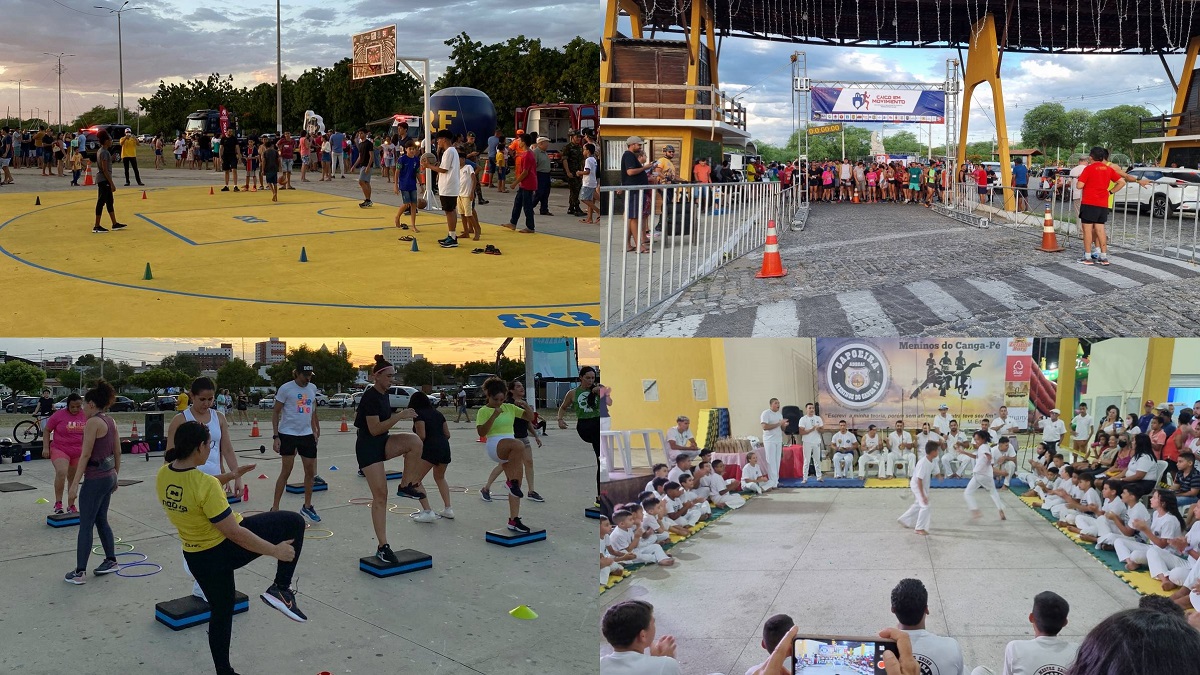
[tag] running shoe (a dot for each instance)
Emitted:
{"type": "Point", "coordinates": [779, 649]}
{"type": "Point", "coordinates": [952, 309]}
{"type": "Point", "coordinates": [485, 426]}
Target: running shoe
{"type": "Point", "coordinates": [1087, 260]}
{"type": "Point", "coordinates": [485, 494]}
{"type": "Point", "coordinates": [514, 488]}
{"type": "Point", "coordinates": [58, 507]}
{"type": "Point", "coordinates": [448, 242]}
{"type": "Point", "coordinates": [361, 473]}
{"type": "Point", "coordinates": [366, 204]}
{"type": "Point", "coordinates": [72, 509]}
{"type": "Point", "coordinates": [1104, 260]}
{"type": "Point", "coordinates": [409, 491]}
{"type": "Point", "coordinates": [516, 525]}
{"type": "Point", "coordinates": [311, 513]}
{"type": "Point", "coordinates": [425, 516]}
{"type": "Point", "coordinates": [119, 226]}
{"type": "Point", "coordinates": [447, 513]}
{"type": "Point", "coordinates": [225, 189]}
{"type": "Point", "coordinates": [76, 577]}
{"type": "Point", "coordinates": [283, 600]}
{"type": "Point", "coordinates": [235, 188]}
{"type": "Point", "coordinates": [535, 496]}
{"type": "Point", "coordinates": [99, 229]}
{"type": "Point", "coordinates": [317, 480]}
{"type": "Point", "coordinates": [384, 553]}
{"type": "Point", "coordinates": [107, 567]}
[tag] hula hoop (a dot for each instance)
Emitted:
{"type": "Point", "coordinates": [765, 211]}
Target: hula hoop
{"type": "Point", "coordinates": [115, 544]}
{"type": "Point", "coordinates": [249, 511]}
{"type": "Point", "coordinates": [317, 529]}
{"type": "Point", "coordinates": [132, 562]}
{"type": "Point", "coordinates": [397, 508]}
{"type": "Point", "coordinates": [359, 501]}
{"type": "Point", "coordinates": [139, 564]}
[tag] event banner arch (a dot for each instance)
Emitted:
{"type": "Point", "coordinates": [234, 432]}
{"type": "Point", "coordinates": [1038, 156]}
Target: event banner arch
{"type": "Point", "coordinates": [880, 380]}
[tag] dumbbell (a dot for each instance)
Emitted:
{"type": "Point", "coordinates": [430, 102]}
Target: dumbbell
{"type": "Point", "coordinates": [19, 469]}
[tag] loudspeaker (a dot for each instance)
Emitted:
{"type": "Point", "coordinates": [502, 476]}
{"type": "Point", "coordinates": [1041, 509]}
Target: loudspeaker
{"type": "Point", "coordinates": [792, 414]}
{"type": "Point", "coordinates": [154, 426]}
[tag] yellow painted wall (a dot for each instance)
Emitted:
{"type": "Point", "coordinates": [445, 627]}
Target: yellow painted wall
{"type": "Point", "coordinates": [1118, 367]}
{"type": "Point", "coordinates": [673, 363]}
{"type": "Point", "coordinates": [762, 369]}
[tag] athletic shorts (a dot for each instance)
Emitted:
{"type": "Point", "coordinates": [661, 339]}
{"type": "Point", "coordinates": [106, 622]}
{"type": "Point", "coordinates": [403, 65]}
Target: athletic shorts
{"type": "Point", "coordinates": [983, 190]}
{"type": "Point", "coordinates": [271, 178]}
{"type": "Point", "coordinates": [914, 186]}
{"type": "Point", "coordinates": [364, 175]}
{"type": "Point", "coordinates": [465, 207]}
{"type": "Point", "coordinates": [290, 445]}
{"type": "Point", "coordinates": [448, 203]}
{"type": "Point", "coordinates": [493, 442]}
{"type": "Point", "coordinates": [72, 459]}
{"type": "Point", "coordinates": [408, 196]}
{"type": "Point", "coordinates": [370, 449]}
{"type": "Point", "coordinates": [229, 162]}
{"type": "Point", "coordinates": [252, 165]}
{"type": "Point", "coordinates": [287, 165]}
{"type": "Point", "coordinates": [1097, 215]}
{"type": "Point", "coordinates": [5, 162]}
{"type": "Point", "coordinates": [436, 455]}
{"type": "Point", "coordinates": [587, 194]}
{"type": "Point", "coordinates": [158, 153]}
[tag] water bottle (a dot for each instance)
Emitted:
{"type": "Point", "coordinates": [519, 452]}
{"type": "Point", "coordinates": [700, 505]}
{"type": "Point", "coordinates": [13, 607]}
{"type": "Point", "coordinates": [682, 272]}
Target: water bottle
{"type": "Point", "coordinates": [245, 493]}
{"type": "Point", "coordinates": [28, 456]}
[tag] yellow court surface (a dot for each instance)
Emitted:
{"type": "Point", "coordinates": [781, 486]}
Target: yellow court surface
{"type": "Point", "coordinates": [232, 261]}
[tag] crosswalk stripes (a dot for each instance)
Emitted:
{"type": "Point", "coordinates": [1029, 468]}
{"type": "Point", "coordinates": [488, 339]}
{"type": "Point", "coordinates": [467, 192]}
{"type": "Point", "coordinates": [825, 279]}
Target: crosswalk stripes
{"type": "Point", "coordinates": [945, 306]}
{"type": "Point", "coordinates": [1103, 274]}
{"type": "Point", "coordinates": [865, 315]}
{"type": "Point", "coordinates": [1003, 293]}
{"type": "Point", "coordinates": [1060, 282]}
{"type": "Point", "coordinates": [1184, 268]}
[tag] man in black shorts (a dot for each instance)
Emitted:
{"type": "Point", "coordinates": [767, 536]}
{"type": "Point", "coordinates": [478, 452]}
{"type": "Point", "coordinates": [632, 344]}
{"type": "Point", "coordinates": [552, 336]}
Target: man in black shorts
{"type": "Point", "coordinates": [447, 182]}
{"type": "Point", "coordinates": [296, 431]}
{"type": "Point", "coordinates": [1098, 183]}
{"type": "Point", "coordinates": [231, 156]}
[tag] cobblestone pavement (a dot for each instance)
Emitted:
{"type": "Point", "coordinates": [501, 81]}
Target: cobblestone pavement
{"type": "Point", "coordinates": [902, 270]}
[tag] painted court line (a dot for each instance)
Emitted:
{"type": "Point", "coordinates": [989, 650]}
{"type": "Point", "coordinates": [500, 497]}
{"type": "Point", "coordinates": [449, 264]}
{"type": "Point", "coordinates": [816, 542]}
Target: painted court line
{"type": "Point", "coordinates": [865, 315]}
{"type": "Point", "coordinates": [168, 230]}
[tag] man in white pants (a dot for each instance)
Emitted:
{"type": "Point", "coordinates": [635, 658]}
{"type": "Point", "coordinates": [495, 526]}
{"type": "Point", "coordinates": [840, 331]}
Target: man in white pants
{"type": "Point", "coordinates": [982, 476]}
{"type": "Point", "coordinates": [918, 514]}
{"type": "Point", "coordinates": [955, 464]}
{"type": "Point", "coordinates": [1082, 428]}
{"type": "Point", "coordinates": [844, 445]}
{"type": "Point", "coordinates": [811, 426]}
{"type": "Point", "coordinates": [772, 425]}
{"type": "Point", "coordinates": [900, 451]}
{"type": "Point", "coordinates": [1006, 459]}
{"type": "Point", "coordinates": [1004, 425]}
{"type": "Point", "coordinates": [872, 452]}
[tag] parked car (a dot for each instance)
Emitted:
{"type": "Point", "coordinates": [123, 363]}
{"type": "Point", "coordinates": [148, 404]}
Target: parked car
{"type": "Point", "coordinates": [266, 402]}
{"type": "Point", "coordinates": [1171, 190]}
{"type": "Point", "coordinates": [341, 401]}
{"type": "Point", "coordinates": [159, 403]}
{"type": "Point", "coordinates": [145, 138]}
{"type": "Point", "coordinates": [123, 404]}
{"type": "Point", "coordinates": [398, 396]}
{"type": "Point", "coordinates": [436, 399]}
{"type": "Point", "coordinates": [357, 398]}
{"type": "Point", "coordinates": [24, 404]}
{"type": "Point", "coordinates": [115, 131]}
{"type": "Point", "coordinates": [322, 399]}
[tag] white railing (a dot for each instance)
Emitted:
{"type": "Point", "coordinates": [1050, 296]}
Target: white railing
{"type": "Point", "coordinates": [674, 235]}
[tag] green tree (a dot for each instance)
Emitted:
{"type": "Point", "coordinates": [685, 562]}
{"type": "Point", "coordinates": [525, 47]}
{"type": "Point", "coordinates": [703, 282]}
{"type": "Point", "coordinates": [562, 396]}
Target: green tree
{"type": "Point", "coordinates": [1078, 122]}
{"type": "Point", "coordinates": [157, 379]}
{"type": "Point", "coordinates": [1116, 127]}
{"type": "Point", "coordinates": [331, 370]}
{"type": "Point", "coordinates": [421, 372]}
{"type": "Point", "coordinates": [21, 377]}
{"type": "Point", "coordinates": [1045, 126]}
{"type": "Point", "coordinates": [101, 115]}
{"type": "Point", "coordinates": [184, 363]}
{"type": "Point", "coordinates": [904, 143]}
{"type": "Point", "coordinates": [237, 375]}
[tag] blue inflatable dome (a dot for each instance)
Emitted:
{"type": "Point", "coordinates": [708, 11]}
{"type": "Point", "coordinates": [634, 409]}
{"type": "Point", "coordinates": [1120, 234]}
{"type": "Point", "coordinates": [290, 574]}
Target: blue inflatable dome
{"type": "Point", "coordinates": [462, 109]}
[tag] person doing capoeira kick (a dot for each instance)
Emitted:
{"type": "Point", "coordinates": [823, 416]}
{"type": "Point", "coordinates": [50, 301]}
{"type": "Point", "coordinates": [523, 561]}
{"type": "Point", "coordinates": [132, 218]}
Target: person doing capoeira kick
{"type": "Point", "coordinates": [983, 475]}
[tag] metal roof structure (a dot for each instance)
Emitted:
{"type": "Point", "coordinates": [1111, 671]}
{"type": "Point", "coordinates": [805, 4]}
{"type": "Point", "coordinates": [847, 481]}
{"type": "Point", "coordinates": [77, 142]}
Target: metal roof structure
{"type": "Point", "coordinates": [1040, 26]}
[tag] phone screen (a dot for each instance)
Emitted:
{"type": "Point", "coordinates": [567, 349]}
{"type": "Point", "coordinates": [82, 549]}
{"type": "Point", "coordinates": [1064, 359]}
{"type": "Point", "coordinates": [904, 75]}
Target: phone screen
{"type": "Point", "coordinates": [831, 655]}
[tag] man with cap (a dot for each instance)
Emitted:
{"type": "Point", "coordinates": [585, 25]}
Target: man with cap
{"type": "Point", "coordinates": [543, 176]}
{"type": "Point", "coordinates": [941, 421]}
{"type": "Point", "coordinates": [295, 430]}
{"type": "Point", "coordinates": [633, 173]}
{"type": "Point", "coordinates": [1148, 414]}
{"type": "Point", "coordinates": [1053, 430]}
{"type": "Point", "coordinates": [572, 160]}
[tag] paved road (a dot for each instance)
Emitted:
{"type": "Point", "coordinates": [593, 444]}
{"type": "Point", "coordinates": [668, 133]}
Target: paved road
{"type": "Point", "coordinates": [875, 270]}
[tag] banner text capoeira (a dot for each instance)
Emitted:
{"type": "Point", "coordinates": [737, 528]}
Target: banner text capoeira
{"type": "Point", "coordinates": [880, 380]}
{"type": "Point", "coordinates": [831, 104]}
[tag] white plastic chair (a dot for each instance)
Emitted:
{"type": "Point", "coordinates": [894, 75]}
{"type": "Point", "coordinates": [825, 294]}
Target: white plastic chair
{"type": "Point", "coordinates": [617, 439]}
{"type": "Point", "coordinates": [1159, 469]}
{"type": "Point", "coordinates": [646, 445]}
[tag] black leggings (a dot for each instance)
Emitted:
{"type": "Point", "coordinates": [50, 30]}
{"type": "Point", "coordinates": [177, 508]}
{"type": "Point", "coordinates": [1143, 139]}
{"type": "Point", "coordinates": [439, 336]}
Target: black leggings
{"type": "Point", "coordinates": [589, 431]}
{"type": "Point", "coordinates": [213, 569]}
{"type": "Point", "coordinates": [94, 496]}
{"type": "Point", "coordinates": [104, 198]}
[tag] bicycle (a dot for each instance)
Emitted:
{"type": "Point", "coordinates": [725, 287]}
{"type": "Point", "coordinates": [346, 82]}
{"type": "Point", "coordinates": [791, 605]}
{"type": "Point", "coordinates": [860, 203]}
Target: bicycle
{"type": "Point", "coordinates": [29, 431]}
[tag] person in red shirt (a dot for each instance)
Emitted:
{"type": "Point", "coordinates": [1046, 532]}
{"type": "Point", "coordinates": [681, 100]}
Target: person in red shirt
{"type": "Point", "coordinates": [526, 183]}
{"type": "Point", "coordinates": [287, 154]}
{"type": "Point", "coordinates": [1098, 182]}
{"type": "Point", "coordinates": [981, 180]}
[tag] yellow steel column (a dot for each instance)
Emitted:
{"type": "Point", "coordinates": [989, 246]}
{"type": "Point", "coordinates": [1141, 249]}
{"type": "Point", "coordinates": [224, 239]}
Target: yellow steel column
{"type": "Point", "coordinates": [1185, 83]}
{"type": "Point", "coordinates": [693, 40]}
{"type": "Point", "coordinates": [611, 14]}
{"type": "Point", "coordinates": [1160, 353]}
{"type": "Point", "coordinates": [983, 65]}
{"type": "Point", "coordinates": [1064, 398]}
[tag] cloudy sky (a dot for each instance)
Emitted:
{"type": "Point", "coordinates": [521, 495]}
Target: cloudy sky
{"type": "Point", "coordinates": [177, 40]}
{"type": "Point", "coordinates": [762, 70]}
{"type": "Point", "coordinates": [136, 350]}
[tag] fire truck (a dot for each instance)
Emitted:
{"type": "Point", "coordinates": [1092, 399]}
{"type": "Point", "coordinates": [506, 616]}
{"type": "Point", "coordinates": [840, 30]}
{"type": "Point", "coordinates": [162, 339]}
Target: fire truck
{"type": "Point", "coordinates": [554, 120]}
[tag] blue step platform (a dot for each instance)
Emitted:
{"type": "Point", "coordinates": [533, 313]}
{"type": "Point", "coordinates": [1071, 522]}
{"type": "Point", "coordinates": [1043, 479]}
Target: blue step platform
{"type": "Point", "coordinates": [191, 611]}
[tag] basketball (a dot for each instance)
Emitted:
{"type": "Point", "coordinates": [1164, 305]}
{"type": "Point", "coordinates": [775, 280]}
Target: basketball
{"type": "Point", "coordinates": [421, 203]}
{"type": "Point", "coordinates": [429, 158]}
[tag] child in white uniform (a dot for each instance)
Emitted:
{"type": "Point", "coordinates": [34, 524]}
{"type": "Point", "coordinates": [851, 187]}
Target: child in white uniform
{"type": "Point", "coordinates": [844, 445]}
{"type": "Point", "coordinates": [679, 509]}
{"type": "Point", "coordinates": [718, 488]}
{"type": "Point", "coordinates": [609, 564]}
{"type": "Point", "coordinates": [654, 519]}
{"type": "Point", "coordinates": [1084, 499]}
{"type": "Point", "coordinates": [1117, 527]}
{"type": "Point", "coordinates": [701, 509]}
{"type": "Point", "coordinates": [1165, 524]}
{"type": "Point", "coordinates": [1088, 527]}
{"type": "Point", "coordinates": [659, 471]}
{"type": "Point", "coordinates": [918, 514]}
{"type": "Point", "coordinates": [1052, 498]}
{"type": "Point", "coordinates": [1170, 568]}
{"type": "Point", "coordinates": [982, 476]}
{"type": "Point", "coordinates": [627, 538]}
{"type": "Point", "coordinates": [752, 475]}
{"type": "Point", "coordinates": [872, 445]}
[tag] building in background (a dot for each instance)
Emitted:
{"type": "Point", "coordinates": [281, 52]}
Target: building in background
{"type": "Point", "coordinates": [270, 352]}
{"type": "Point", "coordinates": [210, 358]}
{"type": "Point", "coordinates": [399, 356]}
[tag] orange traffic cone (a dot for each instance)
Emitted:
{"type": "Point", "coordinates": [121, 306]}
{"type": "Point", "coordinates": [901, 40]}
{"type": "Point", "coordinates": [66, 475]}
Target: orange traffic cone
{"type": "Point", "coordinates": [772, 264]}
{"type": "Point", "coordinates": [87, 180]}
{"type": "Point", "coordinates": [133, 435]}
{"type": "Point", "coordinates": [143, 194]}
{"type": "Point", "coordinates": [1049, 239]}
{"type": "Point", "coordinates": [345, 427]}
{"type": "Point", "coordinates": [855, 199]}
{"type": "Point", "coordinates": [211, 191]}
{"type": "Point", "coordinates": [486, 179]}
{"type": "Point", "coordinates": [254, 430]}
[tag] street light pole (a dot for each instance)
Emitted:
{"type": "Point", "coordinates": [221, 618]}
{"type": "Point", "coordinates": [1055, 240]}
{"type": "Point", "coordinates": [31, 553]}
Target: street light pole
{"type": "Point", "coordinates": [19, 120]}
{"type": "Point", "coordinates": [58, 70]}
{"type": "Point", "coordinates": [278, 74]}
{"type": "Point", "coordinates": [120, 58]}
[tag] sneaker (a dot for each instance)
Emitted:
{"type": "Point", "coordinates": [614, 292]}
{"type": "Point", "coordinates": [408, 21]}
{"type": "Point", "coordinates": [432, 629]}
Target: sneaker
{"type": "Point", "coordinates": [76, 576]}
{"type": "Point", "coordinates": [384, 553]}
{"type": "Point", "coordinates": [1087, 260]}
{"type": "Point", "coordinates": [58, 507]}
{"type": "Point", "coordinates": [535, 496]}
{"type": "Point", "coordinates": [409, 491]}
{"type": "Point", "coordinates": [72, 509]}
{"type": "Point", "coordinates": [119, 226]}
{"type": "Point", "coordinates": [317, 480]}
{"type": "Point", "coordinates": [516, 525]}
{"type": "Point", "coordinates": [485, 494]}
{"type": "Point", "coordinates": [514, 488]}
{"type": "Point", "coordinates": [107, 567]}
{"type": "Point", "coordinates": [448, 242]}
{"type": "Point", "coordinates": [235, 189]}
{"type": "Point", "coordinates": [447, 513]}
{"type": "Point", "coordinates": [225, 189]}
{"type": "Point", "coordinates": [361, 473]}
{"type": "Point", "coordinates": [425, 516]}
{"type": "Point", "coordinates": [283, 600]}
{"type": "Point", "coordinates": [198, 592]}
{"type": "Point", "coordinates": [311, 513]}
{"type": "Point", "coordinates": [1104, 260]}
{"type": "Point", "coordinates": [99, 229]}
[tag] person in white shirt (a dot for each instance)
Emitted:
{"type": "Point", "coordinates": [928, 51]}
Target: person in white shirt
{"type": "Point", "coordinates": [683, 464]}
{"type": "Point", "coordinates": [448, 183]}
{"type": "Point", "coordinates": [1089, 527]}
{"type": "Point", "coordinates": [772, 424]}
{"type": "Point", "coordinates": [1082, 427]}
{"type": "Point", "coordinates": [752, 475]}
{"type": "Point", "coordinates": [955, 464]}
{"type": "Point", "coordinates": [1082, 499]}
{"type": "Point", "coordinates": [811, 426]}
{"type": "Point", "coordinates": [872, 445]}
{"type": "Point", "coordinates": [610, 564]}
{"type": "Point", "coordinates": [1165, 524]}
{"type": "Point", "coordinates": [1004, 425]}
{"type": "Point", "coordinates": [1006, 459]}
{"type": "Point", "coordinates": [680, 438]}
{"type": "Point", "coordinates": [1053, 430]}
{"type": "Point", "coordinates": [917, 515]}
{"type": "Point", "coordinates": [296, 431]}
{"type": "Point", "coordinates": [627, 538]}
{"type": "Point", "coordinates": [628, 627]}
{"type": "Point", "coordinates": [699, 500]}
{"type": "Point", "coordinates": [659, 471]}
{"type": "Point", "coordinates": [1115, 526]}
{"type": "Point", "coordinates": [982, 476]}
{"type": "Point", "coordinates": [900, 450]}
{"type": "Point", "coordinates": [844, 444]}
{"type": "Point", "coordinates": [774, 630]}
{"type": "Point", "coordinates": [926, 434]}
{"type": "Point", "coordinates": [1046, 653]}
{"type": "Point", "coordinates": [679, 508]}
{"type": "Point", "coordinates": [910, 604]}
{"type": "Point", "coordinates": [718, 487]}
{"type": "Point", "coordinates": [941, 421]}
{"type": "Point", "coordinates": [1170, 568]}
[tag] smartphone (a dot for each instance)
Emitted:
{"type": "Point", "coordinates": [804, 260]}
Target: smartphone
{"type": "Point", "coordinates": [828, 654]}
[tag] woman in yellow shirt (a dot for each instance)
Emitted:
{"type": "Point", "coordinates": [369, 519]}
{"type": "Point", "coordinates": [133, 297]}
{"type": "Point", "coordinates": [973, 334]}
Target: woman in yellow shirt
{"type": "Point", "coordinates": [217, 541]}
{"type": "Point", "coordinates": [495, 422]}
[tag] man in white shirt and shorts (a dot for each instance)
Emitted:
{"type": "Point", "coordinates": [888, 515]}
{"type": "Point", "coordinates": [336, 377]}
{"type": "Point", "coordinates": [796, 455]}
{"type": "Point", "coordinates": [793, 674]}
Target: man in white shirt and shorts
{"type": "Point", "coordinates": [295, 430]}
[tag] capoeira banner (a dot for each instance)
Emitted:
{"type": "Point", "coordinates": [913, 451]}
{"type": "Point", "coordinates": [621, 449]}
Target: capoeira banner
{"type": "Point", "coordinates": [830, 104]}
{"type": "Point", "coordinates": [880, 380]}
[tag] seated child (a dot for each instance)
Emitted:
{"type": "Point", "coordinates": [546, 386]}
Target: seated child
{"type": "Point", "coordinates": [718, 488]}
{"type": "Point", "coordinates": [701, 507]}
{"type": "Point", "coordinates": [1082, 499]}
{"type": "Point", "coordinates": [654, 519]}
{"type": "Point", "coordinates": [627, 538]}
{"type": "Point", "coordinates": [752, 474]}
{"type": "Point", "coordinates": [659, 471]}
{"type": "Point", "coordinates": [679, 508]}
{"type": "Point", "coordinates": [609, 564]}
{"type": "Point", "coordinates": [1088, 526]}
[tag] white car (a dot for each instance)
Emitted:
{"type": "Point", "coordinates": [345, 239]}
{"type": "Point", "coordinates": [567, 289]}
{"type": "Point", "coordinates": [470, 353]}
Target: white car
{"type": "Point", "coordinates": [341, 401]}
{"type": "Point", "coordinates": [322, 399]}
{"type": "Point", "coordinates": [398, 396]}
{"type": "Point", "coordinates": [267, 402]}
{"type": "Point", "coordinates": [1171, 190]}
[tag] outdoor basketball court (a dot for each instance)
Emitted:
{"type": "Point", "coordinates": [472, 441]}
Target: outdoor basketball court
{"type": "Point", "coordinates": [235, 259]}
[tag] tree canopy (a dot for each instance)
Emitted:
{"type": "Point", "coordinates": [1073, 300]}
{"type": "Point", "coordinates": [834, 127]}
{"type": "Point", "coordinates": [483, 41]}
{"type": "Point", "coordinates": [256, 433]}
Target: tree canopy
{"type": "Point", "coordinates": [331, 370]}
{"type": "Point", "coordinates": [21, 377]}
